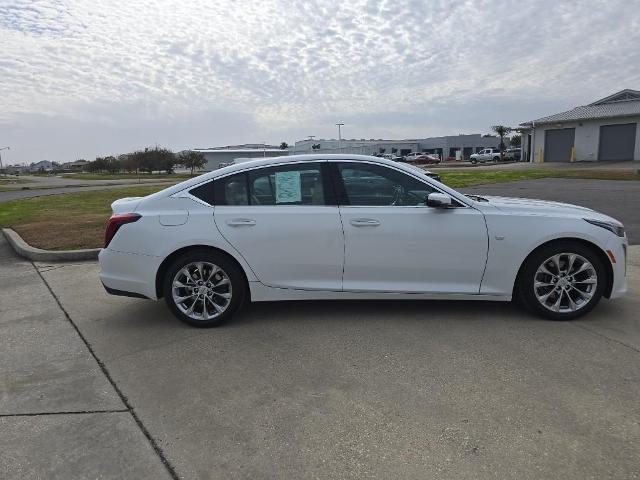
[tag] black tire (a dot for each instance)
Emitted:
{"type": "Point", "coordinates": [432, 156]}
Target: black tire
{"type": "Point", "coordinates": [496, 159]}
{"type": "Point", "coordinates": [238, 287]}
{"type": "Point", "coordinates": [525, 292]}
{"type": "Point", "coordinates": [473, 161]}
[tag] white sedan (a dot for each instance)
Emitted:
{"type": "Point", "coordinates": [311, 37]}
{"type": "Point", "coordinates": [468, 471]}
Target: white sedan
{"type": "Point", "coordinates": [311, 227]}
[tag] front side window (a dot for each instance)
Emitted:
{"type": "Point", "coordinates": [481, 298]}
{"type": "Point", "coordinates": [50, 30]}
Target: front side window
{"type": "Point", "coordinates": [375, 185]}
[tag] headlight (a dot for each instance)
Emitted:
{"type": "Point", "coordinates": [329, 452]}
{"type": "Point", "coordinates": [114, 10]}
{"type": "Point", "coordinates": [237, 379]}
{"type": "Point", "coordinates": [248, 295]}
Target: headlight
{"type": "Point", "coordinates": [616, 228]}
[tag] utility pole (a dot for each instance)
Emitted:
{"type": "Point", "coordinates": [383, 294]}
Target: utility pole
{"type": "Point", "coordinates": [3, 148]}
{"type": "Point", "coordinates": [339, 125]}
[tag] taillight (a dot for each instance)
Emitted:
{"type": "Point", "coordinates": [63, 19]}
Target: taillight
{"type": "Point", "coordinates": [115, 222]}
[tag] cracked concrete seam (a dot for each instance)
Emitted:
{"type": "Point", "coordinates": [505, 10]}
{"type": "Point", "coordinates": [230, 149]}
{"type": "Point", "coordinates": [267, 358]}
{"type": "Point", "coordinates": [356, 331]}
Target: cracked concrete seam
{"type": "Point", "coordinates": [129, 408]}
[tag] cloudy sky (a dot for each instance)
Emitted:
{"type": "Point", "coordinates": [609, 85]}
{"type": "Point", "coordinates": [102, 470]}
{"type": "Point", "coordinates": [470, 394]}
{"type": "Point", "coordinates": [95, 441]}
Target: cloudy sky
{"type": "Point", "coordinates": [80, 78]}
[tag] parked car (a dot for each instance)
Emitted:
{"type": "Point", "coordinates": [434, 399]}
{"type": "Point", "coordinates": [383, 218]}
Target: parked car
{"type": "Point", "coordinates": [311, 227]}
{"type": "Point", "coordinates": [392, 157]}
{"type": "Point", "coordinates": [486, 155]}
{"type": "Point", "coordinates": [428, 173]}
{"type": "Point", "coordinates": [423, 158]}
{"type": "Point", "coordinates": [513, 154]}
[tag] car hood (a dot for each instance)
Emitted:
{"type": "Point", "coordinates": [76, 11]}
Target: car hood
{"type": "Point", "coordinates": [528, 206]}
{"type": "Point", "coordinates": [508, 204]}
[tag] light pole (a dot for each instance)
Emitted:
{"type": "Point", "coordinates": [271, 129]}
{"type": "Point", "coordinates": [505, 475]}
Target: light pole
{"type": "Point", "coordinates": [339, 125]}
{"type": "Point", "coordinates": [3, 148]}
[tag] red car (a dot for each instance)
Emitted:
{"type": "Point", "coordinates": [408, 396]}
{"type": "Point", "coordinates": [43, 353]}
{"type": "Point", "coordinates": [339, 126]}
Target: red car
{"type": "Point", "coordinates": [423, 158]}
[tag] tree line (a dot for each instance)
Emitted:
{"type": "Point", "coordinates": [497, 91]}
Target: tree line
{"type": "Point", "coordinates": [151, 159]}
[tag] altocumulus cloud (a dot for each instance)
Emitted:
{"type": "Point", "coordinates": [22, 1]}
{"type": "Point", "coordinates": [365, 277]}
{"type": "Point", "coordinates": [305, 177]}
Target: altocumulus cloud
{"type": "Point", "coordinates": [80, 78]}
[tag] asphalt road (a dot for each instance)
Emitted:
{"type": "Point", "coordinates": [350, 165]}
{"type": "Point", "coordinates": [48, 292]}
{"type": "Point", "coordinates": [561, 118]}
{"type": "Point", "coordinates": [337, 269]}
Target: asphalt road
{"type": "Point", "coordinates": [618, 199]}
{"type": "Point", "coordinates": [345, 390]}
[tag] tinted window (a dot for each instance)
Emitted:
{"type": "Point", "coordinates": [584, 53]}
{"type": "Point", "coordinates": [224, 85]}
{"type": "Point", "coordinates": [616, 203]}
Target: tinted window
{"type": "Point", "coordinates": [287, 185]}
{"type": "Point", "coordinates": [373, 185]}
{"type": "Point", "coordinates": [232, 190]}
{"type": "Point", "coordinates": [204, 192]}
{"type": "Point", "coordinates": [283, 185]}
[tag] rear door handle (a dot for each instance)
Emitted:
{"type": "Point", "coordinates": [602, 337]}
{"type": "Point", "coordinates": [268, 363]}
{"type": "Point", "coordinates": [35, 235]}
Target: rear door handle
{"type": "Point", "coordinates": [241, 222]}
{"type": "Point", "coordinates": [364, 222]}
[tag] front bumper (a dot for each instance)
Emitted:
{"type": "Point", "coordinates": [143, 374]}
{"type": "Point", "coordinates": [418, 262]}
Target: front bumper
{"type": "Point", "coordinates": [618, 247]}
{"type": "Point", "coordinates": [129, 273]}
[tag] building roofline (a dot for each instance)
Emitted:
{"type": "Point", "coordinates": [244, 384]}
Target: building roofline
{"type": "Point", "coordinates": [614, 95]}
{"type": "Point", "coordinates": [542, 120]}
{"type": "Point", "coordinates": [243, 150]}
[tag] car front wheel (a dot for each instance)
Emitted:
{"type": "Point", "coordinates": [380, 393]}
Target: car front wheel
{"type": "Point", "coordinates": [203, 288]}
{"type": "Point", "coordinates": [562, 281]}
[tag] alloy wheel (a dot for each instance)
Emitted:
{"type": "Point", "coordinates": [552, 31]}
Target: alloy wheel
{"type": "Point", "coordinates": [201, 290]}
{"type": "Point", "coordinates": [565, 282]}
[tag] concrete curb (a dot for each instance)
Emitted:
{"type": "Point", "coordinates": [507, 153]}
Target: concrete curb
{"type": "Point", "coordinates": [25, 250]}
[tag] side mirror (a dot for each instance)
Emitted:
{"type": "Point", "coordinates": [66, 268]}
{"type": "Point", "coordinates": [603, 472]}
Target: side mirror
{"type": "Point", "coordinates": [439, 200]}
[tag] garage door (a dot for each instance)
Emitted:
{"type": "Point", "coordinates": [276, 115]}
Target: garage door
{"type": "Point", "coordinates": [558, 144]}
{"type": "Point", "coordinates": [617, 142]}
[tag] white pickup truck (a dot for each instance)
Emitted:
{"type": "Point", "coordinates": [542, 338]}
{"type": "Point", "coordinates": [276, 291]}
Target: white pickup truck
{"type": "Point", "coordinates": [486, 155]}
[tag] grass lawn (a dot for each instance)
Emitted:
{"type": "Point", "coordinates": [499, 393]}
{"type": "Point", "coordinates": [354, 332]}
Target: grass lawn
{"type": "Point", "coordinates": [124, 176]}
{"type": "Point", "coordinates": [470, 176]}
{"type": "Point", "coordinates": [60, 222]}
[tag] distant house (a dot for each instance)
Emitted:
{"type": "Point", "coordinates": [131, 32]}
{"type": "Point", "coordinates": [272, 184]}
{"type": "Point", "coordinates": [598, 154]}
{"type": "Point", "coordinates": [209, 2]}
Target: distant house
{"type": "Point", "coordinates": [16, 169]}
{"type": "Point", "coordinates": [606, 129]}
{"type": "Point", "coordinates": [75, 166]}
{"type": "Point", "coordinates": [43, 166]}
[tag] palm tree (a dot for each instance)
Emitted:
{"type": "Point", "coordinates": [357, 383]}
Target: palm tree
{"type": "Point", "coordinates": [502, 132]}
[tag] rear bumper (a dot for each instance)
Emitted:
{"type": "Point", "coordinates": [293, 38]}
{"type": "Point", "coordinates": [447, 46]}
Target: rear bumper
{"type": "Point", "coordinates": [122, 293]}
{"type": "Point", "coordinates": [128, 274]}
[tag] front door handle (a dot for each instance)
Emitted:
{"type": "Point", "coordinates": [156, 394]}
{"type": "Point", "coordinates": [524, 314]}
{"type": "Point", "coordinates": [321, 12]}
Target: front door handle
{"type": "Point", "coordinates": [241, 222]}
{"type": "Point", "coordinates": [364, 222]}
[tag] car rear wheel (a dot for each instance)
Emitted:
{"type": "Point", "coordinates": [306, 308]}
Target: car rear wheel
{"type": "Point", "coordinates": [562, 281]}
{"type": "Point", "coordinates": [204, 288]}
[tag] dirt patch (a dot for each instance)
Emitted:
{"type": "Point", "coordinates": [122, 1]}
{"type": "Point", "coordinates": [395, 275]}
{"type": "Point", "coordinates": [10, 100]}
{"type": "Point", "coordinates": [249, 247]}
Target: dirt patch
{"type": "Point", "coordinates": [79, 231]}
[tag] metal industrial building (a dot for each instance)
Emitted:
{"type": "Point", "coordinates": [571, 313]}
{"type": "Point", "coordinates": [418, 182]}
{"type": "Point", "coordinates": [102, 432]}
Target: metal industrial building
{"type": "Point", "coordinates": [217, 155]}
{"type": "Point", "coordinates": [605, 130]}
{"type": "Point", "coordinates": [444, 146]}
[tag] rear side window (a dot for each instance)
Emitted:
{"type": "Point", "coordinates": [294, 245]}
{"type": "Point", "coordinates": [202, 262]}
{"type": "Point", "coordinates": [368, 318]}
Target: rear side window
{"type": "Point", "coordinates": [232, 190]}
{"type": "Point", "coordinates": [287, 185]}
{"type": "Point", "coordinates": [204, 192]}
{"type": "Point", "coordinates": [301, 184]}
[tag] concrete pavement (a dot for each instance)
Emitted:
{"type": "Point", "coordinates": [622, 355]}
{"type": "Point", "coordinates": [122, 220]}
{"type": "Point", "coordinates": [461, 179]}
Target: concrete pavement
{"type": "Point", "coordinates": [350, 389]}
{"type": "Point", "coordinates": [60, 415]}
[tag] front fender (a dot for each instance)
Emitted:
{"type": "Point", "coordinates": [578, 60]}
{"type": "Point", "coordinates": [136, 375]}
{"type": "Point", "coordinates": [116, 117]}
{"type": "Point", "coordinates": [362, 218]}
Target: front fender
{"type": "Point", "coordinates": [512, 238]}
